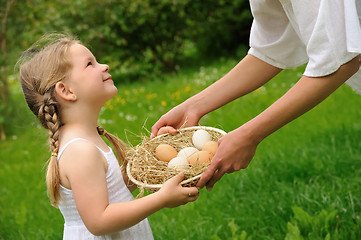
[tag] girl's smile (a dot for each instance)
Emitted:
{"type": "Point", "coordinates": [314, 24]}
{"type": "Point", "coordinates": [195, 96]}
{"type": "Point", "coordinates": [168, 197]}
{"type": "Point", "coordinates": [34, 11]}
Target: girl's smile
{"type": "Point", "coordinates": [108, 79]}
{"type": "Point", "coordinates": [89, 79]}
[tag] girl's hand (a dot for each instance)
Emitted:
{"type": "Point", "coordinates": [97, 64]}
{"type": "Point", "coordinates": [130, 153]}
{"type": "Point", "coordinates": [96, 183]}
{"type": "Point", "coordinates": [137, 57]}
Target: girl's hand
{"type": "Point", "coordinates": [174, 195]}
{"type": "Point", "coordinates": [235, 152]}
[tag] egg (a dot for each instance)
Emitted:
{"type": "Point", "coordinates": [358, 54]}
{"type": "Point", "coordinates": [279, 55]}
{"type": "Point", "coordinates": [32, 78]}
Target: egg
{"type": "Point", "coordinates": [166, 129]}
{"type": "Point", "coordinates": [200, 157]}
{"type": "Point", "coordinates": [187, 152]}
{"type": "Point", "coordinates": [210, 146]}
{"type": "Point", "coordinates": [200, 137]}
{"type": "Point", "coordinates": [165, 152]}
{"type": "Point", "coordinates": [179, 163]}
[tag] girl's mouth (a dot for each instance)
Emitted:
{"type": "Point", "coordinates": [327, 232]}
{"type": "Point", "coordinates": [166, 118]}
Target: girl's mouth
{"type": "Point", "coordinates": [107, 79]}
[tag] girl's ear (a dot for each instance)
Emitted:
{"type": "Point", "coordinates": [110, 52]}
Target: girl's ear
{"type": "Point", "coordinates": [64, 92]}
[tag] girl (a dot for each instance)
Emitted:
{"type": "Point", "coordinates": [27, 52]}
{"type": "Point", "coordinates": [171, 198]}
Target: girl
{"type": "Point", "coordinates": [65, 87]}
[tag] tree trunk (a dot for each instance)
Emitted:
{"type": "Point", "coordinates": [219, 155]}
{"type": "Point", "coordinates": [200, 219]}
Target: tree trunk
{"type": "Point", "coordinates": [4, 86]}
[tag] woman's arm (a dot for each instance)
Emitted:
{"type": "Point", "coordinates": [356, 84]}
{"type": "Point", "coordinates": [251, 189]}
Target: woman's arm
{"type": "Point", "coordinates": [248, 75]}
{"type": "Point", "coordinates": [238, 147]}
{"type": "Point", "coordinates": [302, 97]}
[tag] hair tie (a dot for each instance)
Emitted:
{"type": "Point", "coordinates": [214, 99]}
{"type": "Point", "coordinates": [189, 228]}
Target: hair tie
{"type": "Point", "coordinates": [101, 130]}
{"type": "Point", "coordinates": [54, 154]}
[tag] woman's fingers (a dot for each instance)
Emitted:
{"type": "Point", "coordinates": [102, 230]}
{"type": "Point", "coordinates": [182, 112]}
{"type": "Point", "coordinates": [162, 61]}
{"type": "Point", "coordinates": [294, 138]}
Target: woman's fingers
{"type": "Point", "coordinates": [207, 175]}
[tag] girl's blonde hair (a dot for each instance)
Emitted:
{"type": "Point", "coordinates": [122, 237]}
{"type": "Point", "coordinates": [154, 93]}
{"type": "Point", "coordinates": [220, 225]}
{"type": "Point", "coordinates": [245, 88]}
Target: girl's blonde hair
{"type": "Point", "coordinates": [44, 64]}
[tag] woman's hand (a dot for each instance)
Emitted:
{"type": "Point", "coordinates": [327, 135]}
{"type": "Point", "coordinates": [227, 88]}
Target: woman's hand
{"type": "Point", "coordinates": [235, 152]}
{"type": "Point", "coordinates": [177, 117]}
{"type": "Point", "coordinates": [174, 194]}
{"type": "Point", "coordinates": [248, 75]}
{"type": "Point", "coordinates": [167, 129]}
{"type": "Point", "coordinates": [238, 147]}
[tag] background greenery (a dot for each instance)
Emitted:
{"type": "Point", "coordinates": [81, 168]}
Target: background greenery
{"type": "Point", "coordinates": [139, 39]}
{"type": "Point", "coordinates": [304, 182]}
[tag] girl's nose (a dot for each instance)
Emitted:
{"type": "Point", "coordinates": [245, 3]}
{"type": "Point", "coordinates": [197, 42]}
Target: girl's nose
{"type": "Point", "coordinates": [105, 67]}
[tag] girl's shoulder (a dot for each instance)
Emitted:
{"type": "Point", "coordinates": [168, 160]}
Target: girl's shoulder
{"type": "Point", "coordinates": [78, 146]}
{"type": "Point", "coordinates": [80, 157]}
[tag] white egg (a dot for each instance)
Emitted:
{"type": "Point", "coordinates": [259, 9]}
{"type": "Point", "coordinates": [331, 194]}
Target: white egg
{"type": "Point", "coordinates": [179, 163]}
{"type": "Point", "coordinates": [187, 152]}
{"type": "Point", "coordinates": [200, 137]}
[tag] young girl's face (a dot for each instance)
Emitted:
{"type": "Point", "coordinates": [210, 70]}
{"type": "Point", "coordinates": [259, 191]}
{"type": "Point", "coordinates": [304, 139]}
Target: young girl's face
{"type": "Point", "coordinates": [89, 79]}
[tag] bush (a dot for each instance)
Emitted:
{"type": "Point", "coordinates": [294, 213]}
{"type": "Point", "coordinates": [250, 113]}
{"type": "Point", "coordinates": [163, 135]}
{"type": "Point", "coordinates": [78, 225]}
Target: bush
{"type": "Point", "coordinates": [219, 27]}
{"type": "Point", "coordinates": [140, 38]}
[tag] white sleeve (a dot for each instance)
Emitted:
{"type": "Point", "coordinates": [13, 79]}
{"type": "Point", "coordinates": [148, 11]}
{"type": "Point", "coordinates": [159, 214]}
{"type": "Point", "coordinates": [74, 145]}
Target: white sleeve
{"type": "Point", "coordinates": [273, 38]}
{"type": "Point", "coordinates": [325, 34]}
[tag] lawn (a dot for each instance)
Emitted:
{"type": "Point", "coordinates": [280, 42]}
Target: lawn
{"type": "Point", "coordinates": [303, 183]}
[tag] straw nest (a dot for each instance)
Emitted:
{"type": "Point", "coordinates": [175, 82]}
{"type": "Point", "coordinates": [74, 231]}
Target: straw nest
{"type": "Point", "coordinates": [147, 172]}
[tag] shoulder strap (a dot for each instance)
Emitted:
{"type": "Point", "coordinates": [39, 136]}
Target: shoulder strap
{"type": "Point", "coordinates": [67, 144]}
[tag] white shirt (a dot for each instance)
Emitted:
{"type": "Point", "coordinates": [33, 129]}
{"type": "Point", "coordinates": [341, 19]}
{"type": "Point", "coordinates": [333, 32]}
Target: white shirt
{"type": "Point", "coordinates": [322, 33]}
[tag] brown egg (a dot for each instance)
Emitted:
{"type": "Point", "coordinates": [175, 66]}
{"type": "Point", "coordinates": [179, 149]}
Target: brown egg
{"type": "Point", "coordinates": [210, 146]}
{"type": "Point", "coordinates": [200, 157]}
{"type": "Point", "coordinates": [165, 152]}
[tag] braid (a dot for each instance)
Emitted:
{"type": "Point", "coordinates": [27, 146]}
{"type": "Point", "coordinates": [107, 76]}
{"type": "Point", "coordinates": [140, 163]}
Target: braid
{"type": "Point", "coordinates": [48, 115]}
{"type": "Point", "coordinates": [118, 144]}
{"type": "Point", "coordinates": [42, 66]}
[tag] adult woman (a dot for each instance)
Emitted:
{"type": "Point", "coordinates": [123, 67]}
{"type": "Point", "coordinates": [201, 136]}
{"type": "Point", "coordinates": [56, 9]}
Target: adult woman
{"type": "Point", "coordinates": [324, 34]}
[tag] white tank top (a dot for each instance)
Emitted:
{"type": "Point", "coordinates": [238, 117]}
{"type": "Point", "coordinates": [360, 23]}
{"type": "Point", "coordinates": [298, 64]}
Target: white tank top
{"type": "Point", "coordinates": [74, 227]}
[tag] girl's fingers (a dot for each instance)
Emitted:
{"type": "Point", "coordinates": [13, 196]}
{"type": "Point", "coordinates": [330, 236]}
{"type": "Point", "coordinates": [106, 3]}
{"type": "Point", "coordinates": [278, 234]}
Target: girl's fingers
{"type": "Point", "coordinates": [192, 199]}
{"type": "Point", "coordinates": [193, 194]}
{"type": "Point", "coordinates": [192, 191]}
{"type": "Point", "coordinates": [178, 178]}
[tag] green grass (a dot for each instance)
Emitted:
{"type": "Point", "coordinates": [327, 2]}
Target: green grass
{"type": "Point", "coordinates": [303, 183]}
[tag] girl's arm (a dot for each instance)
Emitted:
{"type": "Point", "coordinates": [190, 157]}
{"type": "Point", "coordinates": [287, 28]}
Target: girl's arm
{"type": "Point", "coordinates": [132, 212]}
{"type": "Point", "coordinates": [83, 166]}
{"type": "Point", "coordinates": [237, 148]}
{"type": "Point", "coordinates": [248, 75]}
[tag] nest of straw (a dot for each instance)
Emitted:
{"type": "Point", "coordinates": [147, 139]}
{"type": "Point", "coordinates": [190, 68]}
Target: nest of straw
{"type": "Point", "coordinates": [147, 172]}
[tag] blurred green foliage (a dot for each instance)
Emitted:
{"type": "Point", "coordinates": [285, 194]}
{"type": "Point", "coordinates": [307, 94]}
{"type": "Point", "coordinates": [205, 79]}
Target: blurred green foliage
{"type": "Point", "coordinates": [138, 38]}
{"type": "Point", "coordinates": [305, 226]}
